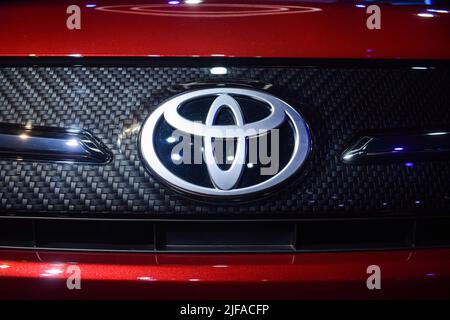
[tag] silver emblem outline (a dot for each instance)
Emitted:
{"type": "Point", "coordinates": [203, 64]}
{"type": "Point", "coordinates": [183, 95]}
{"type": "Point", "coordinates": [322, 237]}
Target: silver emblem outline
{"type": "Point", "coordinates": [168, 110]}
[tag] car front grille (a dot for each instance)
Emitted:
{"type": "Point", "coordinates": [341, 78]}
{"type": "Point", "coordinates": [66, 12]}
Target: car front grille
{"type": "Point", "coordinates": [111, 101]}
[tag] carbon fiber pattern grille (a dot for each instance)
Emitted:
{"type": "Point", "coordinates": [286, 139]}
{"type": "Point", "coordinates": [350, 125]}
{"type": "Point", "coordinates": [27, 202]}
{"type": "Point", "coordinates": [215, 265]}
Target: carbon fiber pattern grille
{"type": "Point", "coordinates": [112, 102]}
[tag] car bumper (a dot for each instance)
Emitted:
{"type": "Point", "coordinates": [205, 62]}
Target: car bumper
{"type": "Point", "coordinates": [404, 275]}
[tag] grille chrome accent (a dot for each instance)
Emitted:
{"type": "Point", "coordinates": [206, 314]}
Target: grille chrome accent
{"type": "Point", "coordinates": [51, 144]}
{"type": "Point", "coordinates": [404, 146]}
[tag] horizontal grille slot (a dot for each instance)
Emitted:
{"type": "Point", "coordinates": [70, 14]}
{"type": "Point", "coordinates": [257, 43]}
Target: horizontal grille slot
{"type": "Point", "coordinates": [335, 235]}
{"type": "Point", "coordinates": [94, 234]}
{"type": "Point", "coordinates": [435, 232]}
{"type": "Point", "coordinates": [224, 236]}
{"type": "Point", "coordinates": [16, 233]}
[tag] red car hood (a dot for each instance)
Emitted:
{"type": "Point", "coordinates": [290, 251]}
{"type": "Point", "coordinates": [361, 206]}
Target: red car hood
{"type": "Point", "coordinates": [297, 29]}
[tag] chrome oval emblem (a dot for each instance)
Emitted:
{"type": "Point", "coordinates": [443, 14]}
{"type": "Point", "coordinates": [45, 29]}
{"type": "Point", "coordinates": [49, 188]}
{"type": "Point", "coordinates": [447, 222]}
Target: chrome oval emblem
{"type": "Point", "coordinates": [184, 140]}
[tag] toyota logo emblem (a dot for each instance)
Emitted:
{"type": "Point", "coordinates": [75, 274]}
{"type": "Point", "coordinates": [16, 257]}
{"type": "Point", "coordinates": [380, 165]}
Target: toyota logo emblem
{"type": "Point", "coordinates": [176, 115]}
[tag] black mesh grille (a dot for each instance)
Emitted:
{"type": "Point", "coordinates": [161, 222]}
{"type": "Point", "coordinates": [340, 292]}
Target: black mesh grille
{"type": "Point", "coordinates": [338, 103]}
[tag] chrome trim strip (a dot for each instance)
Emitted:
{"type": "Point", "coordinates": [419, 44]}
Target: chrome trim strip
{"type": "Point", "coordinates": [399, 146]}
{"type": "Point", "coordinates": [51, 144]}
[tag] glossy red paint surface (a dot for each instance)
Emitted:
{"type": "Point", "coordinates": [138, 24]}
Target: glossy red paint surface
{"type": "Point", "coordinates": [404, 274]}
{"type": "Point", "coordinates": [271, 28]}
